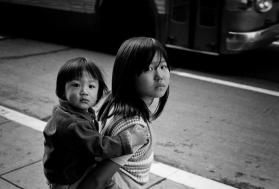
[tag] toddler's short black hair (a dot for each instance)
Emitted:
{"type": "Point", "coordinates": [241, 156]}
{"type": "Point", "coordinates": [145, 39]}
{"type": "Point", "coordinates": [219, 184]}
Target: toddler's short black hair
{"type": "Point", "coordinates": [73, 69]}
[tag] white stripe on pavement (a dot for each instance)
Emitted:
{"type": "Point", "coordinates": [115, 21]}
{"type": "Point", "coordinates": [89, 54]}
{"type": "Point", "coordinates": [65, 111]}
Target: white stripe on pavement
{"type": "Point", "coordinates": [186, 178]}
{"type": "Point", "coordinates": [160, 169]}
{"type": "Point", "coordinates": [227, 83]}
{"type": "Point", "coordinates": [22, 119]}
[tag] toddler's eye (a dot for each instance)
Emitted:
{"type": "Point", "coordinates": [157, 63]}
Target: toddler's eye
{"type": "Point", "coordinates": [92, 86]}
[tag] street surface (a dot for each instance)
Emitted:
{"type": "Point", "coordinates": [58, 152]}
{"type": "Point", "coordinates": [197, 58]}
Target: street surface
{"type": "Point", "coordinates": [217, 131]}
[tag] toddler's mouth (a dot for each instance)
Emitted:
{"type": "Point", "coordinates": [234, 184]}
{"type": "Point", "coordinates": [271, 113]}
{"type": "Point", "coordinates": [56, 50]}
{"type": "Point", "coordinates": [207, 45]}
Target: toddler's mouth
{"type": "Point", "coordinates": [83, 100]}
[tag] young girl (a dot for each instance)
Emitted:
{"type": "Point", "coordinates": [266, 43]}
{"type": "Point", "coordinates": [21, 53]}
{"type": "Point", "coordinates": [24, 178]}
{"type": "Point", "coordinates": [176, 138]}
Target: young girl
{"type": "Point", "coordinates": [140, 75]}
{"type": "Point", "coordinates": [72, 141]}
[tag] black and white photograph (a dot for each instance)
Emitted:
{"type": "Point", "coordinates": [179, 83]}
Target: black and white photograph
{"type": "Point", "coordinates": [139, 94]}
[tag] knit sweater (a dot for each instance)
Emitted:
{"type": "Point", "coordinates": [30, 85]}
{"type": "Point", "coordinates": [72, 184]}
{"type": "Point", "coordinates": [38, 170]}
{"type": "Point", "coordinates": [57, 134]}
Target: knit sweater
{"type": "Point", "coordinates": [138, 165]}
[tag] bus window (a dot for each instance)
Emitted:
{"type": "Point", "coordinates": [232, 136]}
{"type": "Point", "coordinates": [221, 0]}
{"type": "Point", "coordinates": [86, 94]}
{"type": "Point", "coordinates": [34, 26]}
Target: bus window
{"type": "Point", "coordinates": [178, 27]}
{"type": "Point", "coordinates": [207, 25]}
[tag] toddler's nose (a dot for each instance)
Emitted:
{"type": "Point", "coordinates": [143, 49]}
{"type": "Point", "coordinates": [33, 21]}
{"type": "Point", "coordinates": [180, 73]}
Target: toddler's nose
{"type": "Point", "coordinates": [83, 91]}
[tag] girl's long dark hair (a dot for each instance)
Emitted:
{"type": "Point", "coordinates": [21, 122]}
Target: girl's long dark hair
{"type": "Point", "coordinates": [133, 57]}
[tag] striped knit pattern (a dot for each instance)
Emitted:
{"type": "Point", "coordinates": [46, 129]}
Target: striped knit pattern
{"type": "Point", "coordinates": [138, 166]}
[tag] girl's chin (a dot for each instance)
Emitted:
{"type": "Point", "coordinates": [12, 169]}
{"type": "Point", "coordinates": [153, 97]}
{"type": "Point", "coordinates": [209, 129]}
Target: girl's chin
{"type": "Point", "coordinates": [160, 94]}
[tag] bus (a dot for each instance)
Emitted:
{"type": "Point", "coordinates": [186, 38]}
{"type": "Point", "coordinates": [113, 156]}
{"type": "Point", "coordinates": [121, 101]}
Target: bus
{"type": "Point", "coordinates": [215, 27]}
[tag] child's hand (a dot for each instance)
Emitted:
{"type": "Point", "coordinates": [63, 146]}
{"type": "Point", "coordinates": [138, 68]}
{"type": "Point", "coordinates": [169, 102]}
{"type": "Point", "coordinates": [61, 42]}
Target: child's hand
{"type": "Point", "coordinates": [140, 135]}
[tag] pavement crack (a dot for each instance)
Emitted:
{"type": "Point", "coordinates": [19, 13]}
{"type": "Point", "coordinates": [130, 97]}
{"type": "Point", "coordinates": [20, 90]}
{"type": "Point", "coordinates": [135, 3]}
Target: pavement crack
{"type": "Point", "coordinates": [156, 183]}
{"type": "Point", "coordinates": [34, 54]}
{"type": "Point", "coordinates": [4, 122]}
{"type": "Point", "coordinates": [21, 167]}
{"type": "Point", "coordinates": [11, 183]}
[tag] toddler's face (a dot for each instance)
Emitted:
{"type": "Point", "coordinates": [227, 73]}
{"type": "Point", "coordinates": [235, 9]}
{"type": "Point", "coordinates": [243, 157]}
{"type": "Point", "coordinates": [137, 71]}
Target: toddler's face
{"type": "Point", "coordinates": [82, 92]}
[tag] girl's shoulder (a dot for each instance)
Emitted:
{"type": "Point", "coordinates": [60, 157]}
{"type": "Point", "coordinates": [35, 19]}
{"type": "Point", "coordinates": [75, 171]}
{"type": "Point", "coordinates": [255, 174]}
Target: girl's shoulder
{"type": "Point", "coordinates": [126, 121]}
{"type": "Point", "coordinates": [118, 124]}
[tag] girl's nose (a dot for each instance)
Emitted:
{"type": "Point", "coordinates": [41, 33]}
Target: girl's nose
{"type": "Point", "coordinates": [158, 74]}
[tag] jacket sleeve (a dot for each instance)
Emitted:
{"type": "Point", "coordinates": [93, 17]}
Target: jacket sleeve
{"type": "Point", "coordinates": [83, 136]}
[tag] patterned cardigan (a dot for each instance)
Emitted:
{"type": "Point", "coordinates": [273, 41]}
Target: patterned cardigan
{"type": "Point", "coordinates": [138, 165]}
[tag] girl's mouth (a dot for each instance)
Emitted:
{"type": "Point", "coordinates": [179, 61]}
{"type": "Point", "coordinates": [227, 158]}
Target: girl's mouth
{"type": "Point", "coordinates": [160, 85]}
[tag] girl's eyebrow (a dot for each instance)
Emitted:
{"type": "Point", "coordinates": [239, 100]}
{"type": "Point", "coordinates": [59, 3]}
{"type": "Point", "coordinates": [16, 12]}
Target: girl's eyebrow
{"type": "Point", "coordinates": [158, 63]}
{"type": "Point", "coordinates": [74, 80]}
{"type": "Point", "coordinates": [79, 79]}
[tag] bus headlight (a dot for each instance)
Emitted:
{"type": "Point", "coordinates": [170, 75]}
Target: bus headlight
{"type": "Point", "coordinates": [263, 5]}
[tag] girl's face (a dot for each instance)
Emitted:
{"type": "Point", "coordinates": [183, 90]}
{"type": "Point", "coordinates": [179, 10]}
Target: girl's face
{"type": "Point", "coordinates": [154, 82]}
{"type": "Point", "coordinates": [82, 92]}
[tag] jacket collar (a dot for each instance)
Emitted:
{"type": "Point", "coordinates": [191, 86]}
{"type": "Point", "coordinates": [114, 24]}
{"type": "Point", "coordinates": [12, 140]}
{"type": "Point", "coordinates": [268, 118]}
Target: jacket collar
{"type": "Point", "coordinates": [66, 106]}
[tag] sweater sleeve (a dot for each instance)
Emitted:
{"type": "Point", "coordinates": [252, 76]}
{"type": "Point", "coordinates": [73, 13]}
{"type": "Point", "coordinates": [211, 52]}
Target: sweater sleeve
{"type": "Point", "coordinates": [122, 160]}
{"type": "Point", "coordinates": [82, 136]}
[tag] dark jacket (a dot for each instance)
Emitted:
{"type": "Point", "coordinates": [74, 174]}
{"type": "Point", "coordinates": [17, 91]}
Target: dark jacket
{"type": "Point", "coordinates": [72, 142]}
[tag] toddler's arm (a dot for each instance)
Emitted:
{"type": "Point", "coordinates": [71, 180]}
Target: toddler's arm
{"type": "Point", "coordinates": [99, 176]}
{"type": "Point", "coordinates": [83, 137]}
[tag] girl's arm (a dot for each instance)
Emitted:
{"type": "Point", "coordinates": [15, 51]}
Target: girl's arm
{"type": "Point", "coordinates": [99, 176]}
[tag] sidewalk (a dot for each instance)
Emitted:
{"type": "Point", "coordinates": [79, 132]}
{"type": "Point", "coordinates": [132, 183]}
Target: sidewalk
{"type": "Point", "coordinates": [21, 150]}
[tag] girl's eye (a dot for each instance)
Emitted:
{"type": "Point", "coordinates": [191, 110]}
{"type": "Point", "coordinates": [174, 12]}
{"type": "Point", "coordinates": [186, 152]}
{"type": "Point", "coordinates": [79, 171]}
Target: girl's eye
{"type": "Point", "coordinates": [150, 69]}
{"type": "Point", "coordinates": [164, 66]}
{"type": "Point", "coordinates": [75, 84]}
